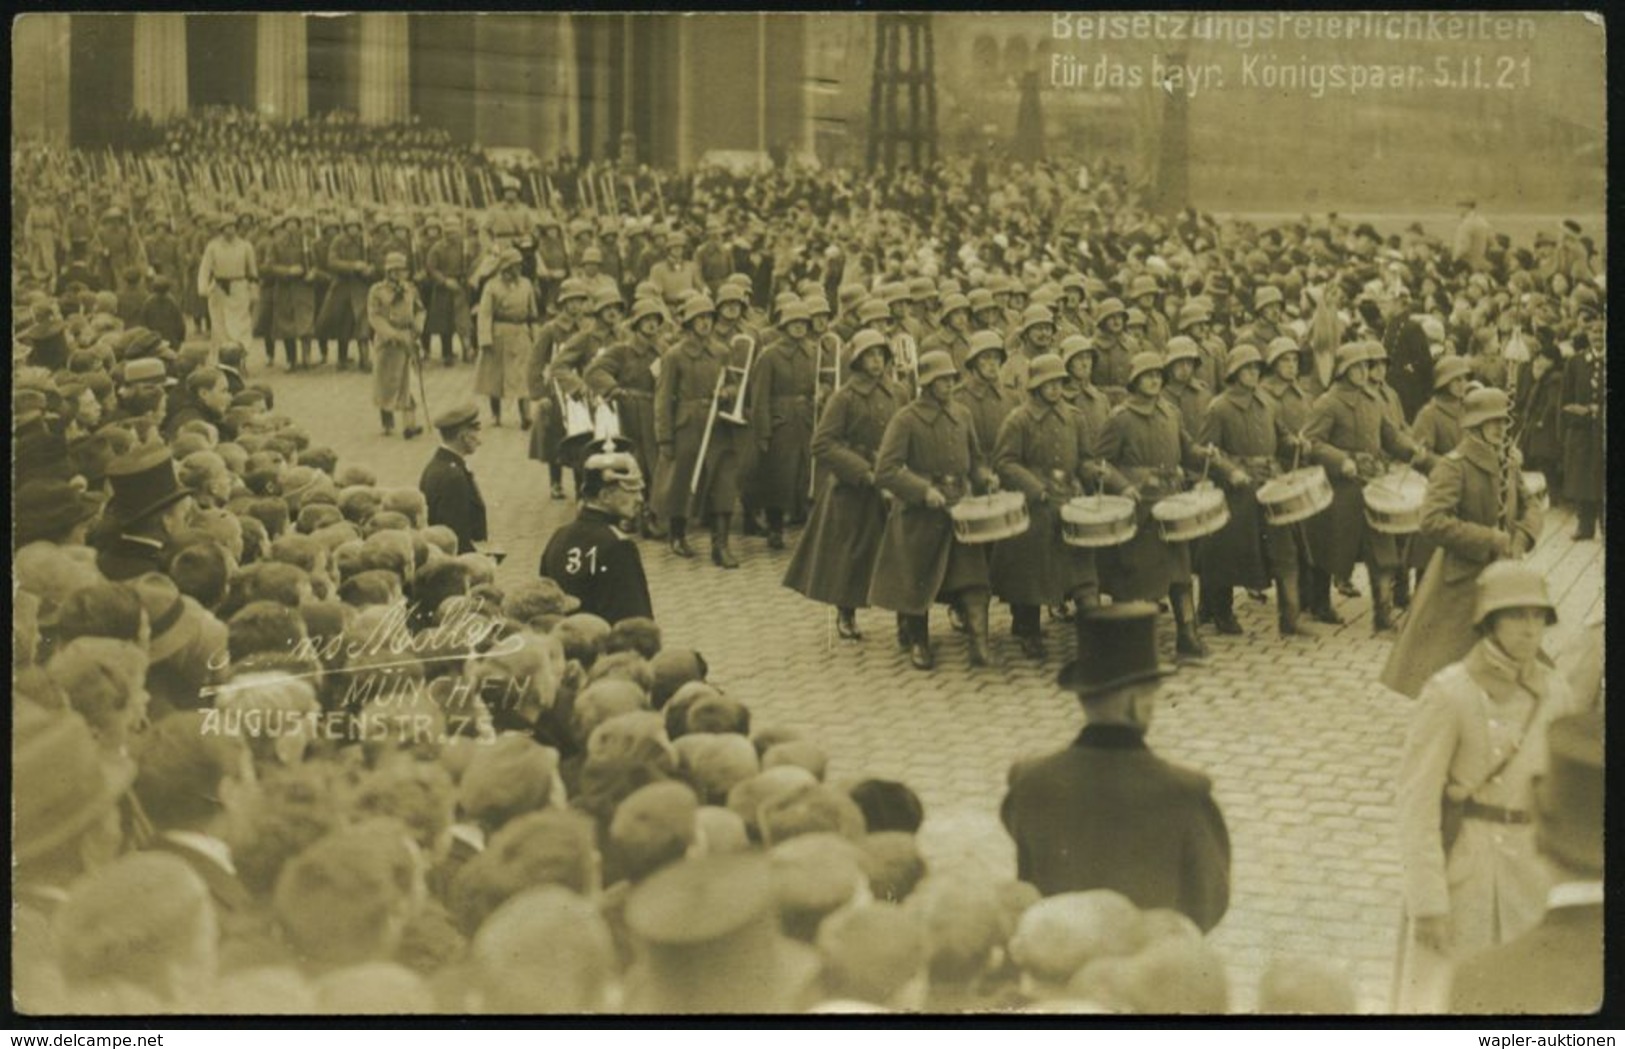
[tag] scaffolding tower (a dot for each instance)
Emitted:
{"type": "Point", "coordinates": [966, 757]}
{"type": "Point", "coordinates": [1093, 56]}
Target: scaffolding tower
{"type": "Point", "coordinates": [896, 85]}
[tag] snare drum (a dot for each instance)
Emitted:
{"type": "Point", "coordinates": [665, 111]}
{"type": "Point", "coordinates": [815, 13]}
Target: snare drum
{"type": "Point", "coordinates": [1295, 496]}
{"type": "Point", "coordinates": [1393, 502]}
{"type": "Point", "coordinates": [1097, 521]}
{"type": "Point", "coordinates": [989, 518]}
{"type": "Point", "coordinates": [1191, 515]}
{"type": "Point", "coordinates": [1534, 482]}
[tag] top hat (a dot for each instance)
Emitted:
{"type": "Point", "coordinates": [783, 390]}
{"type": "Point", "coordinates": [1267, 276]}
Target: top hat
{"type": "Point", "coordinates": [1568, 798]}
{"type": "Point", "coordinates": [1117, 646]}
{"type": "Point", "coordinates": [144, 483]}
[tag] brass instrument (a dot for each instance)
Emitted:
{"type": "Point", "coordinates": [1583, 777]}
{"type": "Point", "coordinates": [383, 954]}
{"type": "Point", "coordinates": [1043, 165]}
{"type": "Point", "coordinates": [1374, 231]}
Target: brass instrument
{"type": "Point", "coordinates": [831, 348]}
{"type": "Point", "coordinates": [740, 374]}
{"type": "Point", "coordinates": [905, 357]}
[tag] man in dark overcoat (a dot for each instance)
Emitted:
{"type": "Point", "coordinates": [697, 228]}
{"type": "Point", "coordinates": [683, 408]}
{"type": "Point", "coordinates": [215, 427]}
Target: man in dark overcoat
{"type": "Point", "coordinates": [1107, 813]}
{"type": "Point", "coordinates": [447, 483]}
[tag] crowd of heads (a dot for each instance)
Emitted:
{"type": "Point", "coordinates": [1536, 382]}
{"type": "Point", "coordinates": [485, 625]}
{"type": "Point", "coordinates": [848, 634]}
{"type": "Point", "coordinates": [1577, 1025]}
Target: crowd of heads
{"type": "Point", "coordinates": [425, 790]}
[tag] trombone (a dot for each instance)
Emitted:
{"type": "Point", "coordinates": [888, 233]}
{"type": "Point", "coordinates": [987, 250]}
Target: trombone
{"type": "Point", "coordinates": [740, 375]}
{"type": "Point", "coordinates": [831, 349]}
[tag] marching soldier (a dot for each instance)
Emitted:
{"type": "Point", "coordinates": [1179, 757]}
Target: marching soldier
{"type": "Point", "coordinates": [1180, 387]}
{"type": "Point", "coordinates": [1114, 348]}
{"type": "Point", "coordinates": [1351, 432]}
{"type": "Point", "coordinates": [986, 313]}
{"type": "Point", "coordinates": [732, 302]}
{"type": "Point", "coordinates": [835, 557]}
{"type": "Point", "coordinates": [1268, 308]}
{"type": "Point", "coordinates": [507, 313]}
{"type": "Point", "coordinates": [623, 374]}
{"type": "Point", "coordinates": [1078, 357]}
{"type": "Point", "coordinates": [984, 397]}
{"type": "Point", "coordinates": [1196, 323]}
{"type": "Point", "coordinates": [781, 393]}
{"type": "Point", "coordinates": [1146, 439]}
{"type": "Point", "coordinates": [1476, 511]}
{"type": "Point", "coordinates": [396, 315]}
{"type": "Point", "coordinates": [1292, 407]}
{"type": "Point", "coordinates": [953, 329]}
{"type": "Point", "coordinates": [1394, 412]}
{"type": "Point", "coordinates": [1437, 428]}
{"type": "Point", "coordinates": [590, 263]}
{"type": "Point", "coordinates": [673, 274]}
{"type": "Point", "coordinates": [929, 460]}
{"type": "Point", "coordinates": [507, 220]}
{"type": "Point", "coordinates": [1045, 450]}
{"type": "Point", "coordinates": [687, 391]}
{"type": "Point", "coordinates": [343, 315]}
{"type": "Point", "coordinates": [547, 433]}
{"type": "Point", "coordinates": [1034, 336]}
{"type": "Point", "coordinates": [328, 228]}
{"type": "Point", "coordinates": [1072, 317]}
{"type": "Point", "coordinates": [449, 263]}
{"type": "Point", "coordinates": [291, 290]}
{"type": "Point", "coordinates": [43, 230]}
{"type": "Point", "coordinates": [1143, 294]}
{"type": "Point", "coordinates": [1242, 423]}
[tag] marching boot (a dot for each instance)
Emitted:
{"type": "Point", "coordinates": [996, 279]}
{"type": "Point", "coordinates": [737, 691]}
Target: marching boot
{"type": "Point", "coordinates": [1024, 624]}
{"type": "Point", "coordinates": [1382, 602]}
{"type": "Point", "coordinates": [679, 538]}
{"type": "Point", "coordinates": [388, 419]}
{"type": "Point", "coordinates": [651, 526]}
{"type": "Point", "coordinates": [846, 625]}
{"type": "Point", "coordinates": [750, 525]}
{"type": "Point", "coordinates": [1402, 588]}
{"type": "Point", "coordinates": [365, 353]}
{"type": "Point", "coordinates": [496, 411]}
{"type": "Point", "coordinates": [920, 656]}
{"type": "Point", "coordinates": [956, 620]}
{"type": "Point", "coordinates": [1222, 611]}
{"type": "Point", "coordinates": [555, 474]}
{"type": "Point", "coordinates": [721, 555]}
{"type": "Point", "coordinates": [1187, 646]}
{"type": "Point", "coordinates": [974, 605]}
{"type": "Point", "coordinates": [1320, 598]}
{"type": "Point", "coordinates": [775, 529]}
{"type": "Point", "coordinates": [905, 632]}
{"type": "Point", "coordinates": [1287, 607]}
{"type": "Point", "coordinates": [524, 416]}
{"type": "Point", "coordinates": [1586, 521]}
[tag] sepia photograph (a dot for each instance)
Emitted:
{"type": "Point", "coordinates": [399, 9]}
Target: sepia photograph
{"type": "Point", "coordinates": [845, 515]}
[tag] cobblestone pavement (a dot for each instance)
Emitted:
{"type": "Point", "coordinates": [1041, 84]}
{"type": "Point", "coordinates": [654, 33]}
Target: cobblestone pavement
{"type": "Point", "coordinates": [1299, 739]}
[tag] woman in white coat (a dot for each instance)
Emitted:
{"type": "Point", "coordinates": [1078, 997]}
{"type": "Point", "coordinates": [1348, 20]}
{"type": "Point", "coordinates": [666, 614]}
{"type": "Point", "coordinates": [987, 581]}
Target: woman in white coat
{"type": "Point", "coordinates": [1478, 738]}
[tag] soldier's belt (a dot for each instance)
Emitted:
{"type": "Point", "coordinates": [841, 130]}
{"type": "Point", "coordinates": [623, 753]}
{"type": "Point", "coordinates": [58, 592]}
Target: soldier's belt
{"type": "Point", "coordinates": [510, 320]}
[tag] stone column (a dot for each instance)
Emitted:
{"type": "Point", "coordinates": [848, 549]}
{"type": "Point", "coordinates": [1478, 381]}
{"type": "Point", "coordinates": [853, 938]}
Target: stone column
{"type": "Point", "coordinates": [685, 86]}
{"type": "Point", "coordinates": [39, 78]}
{"type": "Point", "coordinates": [385, 68]}
{"type": "Point", "coordinates": [160, 65]}
{"type": "Point", "coordinates": [281, 66]}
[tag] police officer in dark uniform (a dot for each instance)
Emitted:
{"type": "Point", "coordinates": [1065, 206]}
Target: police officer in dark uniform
{"type": "Point", "coordinates": [594, 557]}
{"type": "Point", "coordinates": [448, 485]}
